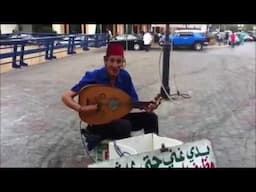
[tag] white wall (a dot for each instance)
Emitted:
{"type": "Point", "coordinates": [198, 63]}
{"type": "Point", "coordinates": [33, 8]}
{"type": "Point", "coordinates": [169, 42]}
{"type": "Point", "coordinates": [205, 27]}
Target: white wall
{"type": "Point", "coordinates": [204, 28]}
{"type": "Point", "coordinates": [57, 28]}
{"type": "Point", "coordinates": [8, 28]}
{"type": "Point", "coordinates": [91, 29]}
{"type": "Point", "coordinates": [158, 25]}
{"type": "Point", "coordinates": [201, 26]}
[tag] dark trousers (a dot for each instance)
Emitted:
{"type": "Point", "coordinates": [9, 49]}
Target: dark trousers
{"type": "Point", "coordinates": [147, 47]}
{"type": "Point", "coordinates": [122, 128]}
{"type": "Point", "coordinates": [233, 44]}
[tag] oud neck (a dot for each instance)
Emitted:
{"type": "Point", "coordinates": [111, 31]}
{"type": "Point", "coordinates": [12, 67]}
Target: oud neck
{"type": "Point", "coordinates": [140, 104]}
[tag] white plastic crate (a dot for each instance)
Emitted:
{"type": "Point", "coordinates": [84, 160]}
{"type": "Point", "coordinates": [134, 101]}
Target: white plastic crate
{"type": "Point", "coordinates": [139, 144]}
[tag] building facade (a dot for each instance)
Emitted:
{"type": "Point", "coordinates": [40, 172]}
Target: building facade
{"type": "Point", "coordinates": [75, 28]}
{"type": "Point", "coordinates": [100, 28]}
{"type": "Point", "coordinates": [160, 28]}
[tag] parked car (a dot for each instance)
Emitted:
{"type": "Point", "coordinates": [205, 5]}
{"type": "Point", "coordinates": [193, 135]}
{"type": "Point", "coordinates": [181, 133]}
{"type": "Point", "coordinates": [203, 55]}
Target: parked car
{"type": "Point", "coordinates": [248, 37]}
{"type": "Point", "coordinates": [4, 36]}
{"type": "Point", "coordinates": [129, 41]}
{"type": "Point", "coordinates": [65, 41]}
{"type": "Point", "coordinates": [187, 38]}
{"type": "Point", "coordinates": [78, 40]}
{"type": "Point", "coordinates": [32, 40]}
{"type": "Point", "coordinates": [21, 36]}
{"type": "Point", "coordinates": [252, 34]}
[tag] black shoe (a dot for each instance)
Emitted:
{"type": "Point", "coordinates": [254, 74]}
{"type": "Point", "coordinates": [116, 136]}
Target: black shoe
{"type": "Point", "coordinates": [24, 64]}
{"type": "Point", "coordinates": [16, 66]}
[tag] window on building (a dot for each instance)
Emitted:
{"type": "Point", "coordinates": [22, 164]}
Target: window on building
{"type": "Point", "coordinates": [157, 29]}
{"type": "Point", "coordinates": [98, 28]}
{"type": "Point", "coordinates": [135, 29]}
{"type": "Point", "coordinates": [185, 34]}
{"type": "Point", "coordinates": [107, 26]}
{"type": "Point", "coordinates": [42, 28]}
{"type": "Point", "coordinates": [75, 28]}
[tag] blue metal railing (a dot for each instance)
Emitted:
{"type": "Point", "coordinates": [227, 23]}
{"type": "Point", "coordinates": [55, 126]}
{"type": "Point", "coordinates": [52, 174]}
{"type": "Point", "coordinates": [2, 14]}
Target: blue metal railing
{"type": "Point", "coordinates": [47, 44]}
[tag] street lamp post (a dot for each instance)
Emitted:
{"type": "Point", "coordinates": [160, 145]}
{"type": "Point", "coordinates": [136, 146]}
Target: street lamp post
{"type": "Point", "coordinates": [166, 63]}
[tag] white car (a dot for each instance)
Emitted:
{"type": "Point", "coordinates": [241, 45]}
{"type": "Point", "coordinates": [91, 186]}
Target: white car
{"type": "Point", "coordinates": [247, 37]}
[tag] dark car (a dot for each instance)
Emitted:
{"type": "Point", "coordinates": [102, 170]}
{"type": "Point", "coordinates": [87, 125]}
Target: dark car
{"type": "Point", "coordinates": [130, 41]}
{"type": "Point", "coordinates": [252, 34]}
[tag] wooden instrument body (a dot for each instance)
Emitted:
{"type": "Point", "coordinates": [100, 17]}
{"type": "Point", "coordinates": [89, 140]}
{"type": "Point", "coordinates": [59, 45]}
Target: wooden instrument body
{"type": "Point", "coordinates": [112, 102]}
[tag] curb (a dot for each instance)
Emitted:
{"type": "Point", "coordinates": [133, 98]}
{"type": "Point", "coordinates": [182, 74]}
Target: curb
{"type": "Point", "coordinates": [216, 46]}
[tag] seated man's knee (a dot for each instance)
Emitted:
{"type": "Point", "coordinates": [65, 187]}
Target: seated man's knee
{"type": "Point", "coordinates": [152, 123]}
{"type": "Point", "coordinates": [123, 129]}
{"type": "Point", "coordinates": [152, 116]}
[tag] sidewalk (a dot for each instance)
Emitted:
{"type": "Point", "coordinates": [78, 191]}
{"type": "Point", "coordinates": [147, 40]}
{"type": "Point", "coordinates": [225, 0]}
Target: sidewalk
{"type": "Point", "coordinates": [216, 46]}
{"type": "Point", "coordinates": [37, 130]}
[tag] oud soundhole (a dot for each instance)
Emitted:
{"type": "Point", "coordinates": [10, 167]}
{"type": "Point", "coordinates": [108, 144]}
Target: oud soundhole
{"type": "Point", "coordinates": [113, 104]}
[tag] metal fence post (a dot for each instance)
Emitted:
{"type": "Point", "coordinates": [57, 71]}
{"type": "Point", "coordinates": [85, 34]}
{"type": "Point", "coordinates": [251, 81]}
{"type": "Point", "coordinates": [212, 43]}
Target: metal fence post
{"type": "Point", "coordinates": [105, 39]}
{"type": "Point", "coordinates": [47, 47]}
{"type": "Point", "coordinates": [85, 43]}
{"type": "Point", "coordinates": [73, 45]}
{"type": "Point", "coordinates": [71, 42]}
{"type": "Point", "coordinates": [22, 63]}
{"type": "Point", "coordinates": [14, 64]}
{"type": "Point", "coordinates": [97, 40]}
{"type": "Point", "coordinates": [51, 49]}
{"type": "Point", "coordinates": [69, 45]}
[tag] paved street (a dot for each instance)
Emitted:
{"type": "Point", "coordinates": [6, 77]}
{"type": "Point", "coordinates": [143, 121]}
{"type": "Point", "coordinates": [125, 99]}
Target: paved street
{"type": "Point", "coordinates": [37, 130]}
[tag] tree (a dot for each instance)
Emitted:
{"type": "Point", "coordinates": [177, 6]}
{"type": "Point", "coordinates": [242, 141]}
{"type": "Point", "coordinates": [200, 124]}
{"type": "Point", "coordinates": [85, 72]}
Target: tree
{"type": "Point", "coordinates": [42, 28]}
{"type": "Point", "coordinates": [98, 28]}
{"type": "Point", "coordinates": [248, 27]}
{"type": "Point", "coordinates": [233, 27]}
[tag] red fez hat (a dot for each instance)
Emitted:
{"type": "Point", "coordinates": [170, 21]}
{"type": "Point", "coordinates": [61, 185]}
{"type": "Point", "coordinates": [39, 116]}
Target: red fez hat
{"type": "Point", "coordinates": [115, 49]}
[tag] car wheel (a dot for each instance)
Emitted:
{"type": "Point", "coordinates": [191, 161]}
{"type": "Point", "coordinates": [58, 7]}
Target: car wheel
{"type": "Point", "coordinates": [136, 47]}
{"type": "Point", "coordinates": [198, 46]}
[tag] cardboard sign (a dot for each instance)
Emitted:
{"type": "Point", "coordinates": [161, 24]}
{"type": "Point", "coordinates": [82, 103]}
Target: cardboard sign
{"type": "Point", "coordinates": [198, 154]}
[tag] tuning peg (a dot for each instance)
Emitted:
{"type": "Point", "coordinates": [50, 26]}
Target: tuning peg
{"type": "Point", "coordinates": [157, 96]}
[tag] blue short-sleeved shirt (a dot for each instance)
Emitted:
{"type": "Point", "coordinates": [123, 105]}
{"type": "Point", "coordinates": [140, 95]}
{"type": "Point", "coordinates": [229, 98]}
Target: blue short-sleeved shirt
{"type": "Point", "coordinates": [100, 76]}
